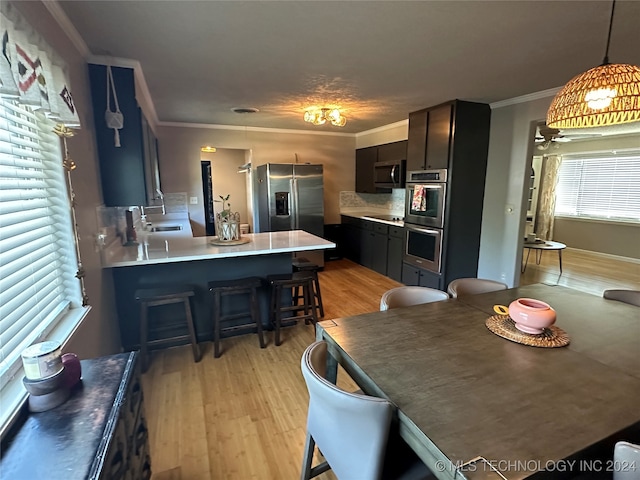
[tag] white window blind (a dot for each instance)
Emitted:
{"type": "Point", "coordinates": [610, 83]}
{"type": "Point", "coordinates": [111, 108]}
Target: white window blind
{"type": "Point", "coordinates": [599, 187]}
{"type": "Point", "coordinates": [37, 255]}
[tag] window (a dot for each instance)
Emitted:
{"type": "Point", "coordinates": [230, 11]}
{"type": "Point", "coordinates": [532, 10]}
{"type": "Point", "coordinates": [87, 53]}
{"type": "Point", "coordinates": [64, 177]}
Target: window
{"type": "Point", "coordinates": [605, 188]}
{"type": "Point", "coordinates": [37, 254]}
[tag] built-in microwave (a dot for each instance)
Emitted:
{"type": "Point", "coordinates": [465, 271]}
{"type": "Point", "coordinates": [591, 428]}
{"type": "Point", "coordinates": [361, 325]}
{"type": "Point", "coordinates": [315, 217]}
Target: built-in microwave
{"type": "Point", "coordinates": [389, 174]}
{"type": "Point", "coordinates": [425, 198]}
{"type": "Point", "coordinates": [423, 247]}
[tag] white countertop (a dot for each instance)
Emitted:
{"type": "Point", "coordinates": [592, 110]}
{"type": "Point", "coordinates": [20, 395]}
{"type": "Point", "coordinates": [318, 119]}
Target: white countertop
{"type": "Point", "coordinates": [167, 247]}
{"type": "Point", "coordinates": [371, 216]}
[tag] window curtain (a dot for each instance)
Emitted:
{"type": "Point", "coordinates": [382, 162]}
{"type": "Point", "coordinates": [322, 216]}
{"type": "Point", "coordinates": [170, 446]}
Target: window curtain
{"type": "Point", "coordinates": [31, 72]}
{"type": "Point", "coordinates": [547, 197]}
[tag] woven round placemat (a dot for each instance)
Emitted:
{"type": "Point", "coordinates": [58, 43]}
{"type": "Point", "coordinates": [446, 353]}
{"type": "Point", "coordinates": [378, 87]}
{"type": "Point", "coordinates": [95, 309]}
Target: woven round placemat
{"type": "Point", "coordinates": [503, 326]}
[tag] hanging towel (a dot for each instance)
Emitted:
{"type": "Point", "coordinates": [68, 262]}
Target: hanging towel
{"type": "Point", "coordinates": [419, 201]}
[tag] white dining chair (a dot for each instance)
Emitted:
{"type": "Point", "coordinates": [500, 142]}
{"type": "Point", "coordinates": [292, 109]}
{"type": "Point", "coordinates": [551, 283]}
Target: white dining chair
{"type": "Point", "coordinates": [626, 461]}
{"type": "Point", "coordinates": [473, 286]}
{"type": "Point", "coordinates": [632, 297]}
{"type": "Point", "coordinates": [351, 430]}
{"type": "Point", "coordinates": [410, 295]}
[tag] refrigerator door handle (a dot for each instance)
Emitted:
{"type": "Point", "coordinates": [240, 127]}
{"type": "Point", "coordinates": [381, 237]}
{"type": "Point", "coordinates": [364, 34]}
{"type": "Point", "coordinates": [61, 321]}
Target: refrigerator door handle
{"type": "Point", "coordinates": [293, 183]}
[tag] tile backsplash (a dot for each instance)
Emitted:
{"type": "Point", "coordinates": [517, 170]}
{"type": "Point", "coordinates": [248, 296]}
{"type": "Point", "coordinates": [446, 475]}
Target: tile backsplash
{"type": "Point", "coordinates": [392, 203]}
{"type": "Point", "coordinates": [112, 223]}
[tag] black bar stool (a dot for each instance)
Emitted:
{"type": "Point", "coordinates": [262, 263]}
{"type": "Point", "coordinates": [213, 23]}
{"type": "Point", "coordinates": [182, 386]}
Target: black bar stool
{"type": "Point", "coordinates": [291, 282]}
{"type": "Point", "coordinates": [242, 286]}
{"type": "Point", "coordinates": [155, 297]}
{"type": "Point", "coordinates": [302, 264]}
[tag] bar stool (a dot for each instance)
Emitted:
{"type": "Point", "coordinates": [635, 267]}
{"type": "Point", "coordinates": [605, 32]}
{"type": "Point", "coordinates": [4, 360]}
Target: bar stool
{"type": "Point", "coordinates": [302, 264]}
{"type": "Point", "coordinates": [155, 297]}
{"type": "Point", "coordinates": [223, 288]}
{"type": "Point", "coordinates": [290, 282]}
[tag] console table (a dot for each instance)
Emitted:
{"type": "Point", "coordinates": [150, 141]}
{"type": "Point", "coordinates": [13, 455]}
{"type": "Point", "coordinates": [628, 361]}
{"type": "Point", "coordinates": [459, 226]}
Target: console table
{"type": "Point", "coordinates": [100, 432]}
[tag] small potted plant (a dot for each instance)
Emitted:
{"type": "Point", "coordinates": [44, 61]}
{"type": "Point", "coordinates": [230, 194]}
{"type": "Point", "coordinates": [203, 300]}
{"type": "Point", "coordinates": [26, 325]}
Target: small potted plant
{"type": "Point", "coordinates": [227, 222]}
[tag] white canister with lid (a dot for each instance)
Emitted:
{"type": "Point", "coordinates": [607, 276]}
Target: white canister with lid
{"type": "Point", "coordinates": [42, 360]}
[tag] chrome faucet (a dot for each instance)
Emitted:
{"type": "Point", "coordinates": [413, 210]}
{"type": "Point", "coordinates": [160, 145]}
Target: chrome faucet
{"type": "Point", "coordinates": [142, 208]}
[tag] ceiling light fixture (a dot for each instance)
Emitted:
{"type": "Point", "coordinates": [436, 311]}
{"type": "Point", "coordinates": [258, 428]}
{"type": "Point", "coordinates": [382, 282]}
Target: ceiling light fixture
{"type": "Point", "coordinates": [208, 149]}
{"type": "Point", "coordinates": [604, 95]}
{"type": "Point", "coordinates": [320, 116]}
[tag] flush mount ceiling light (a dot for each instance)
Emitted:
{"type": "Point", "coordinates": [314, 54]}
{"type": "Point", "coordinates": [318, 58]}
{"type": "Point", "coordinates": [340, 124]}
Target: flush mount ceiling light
{"type": "Point", "coordinates": [320, 116]}
{"type": "Point", "coordinates": [604, 95]}
{"type": "Point", "coordinates": [208, 149]}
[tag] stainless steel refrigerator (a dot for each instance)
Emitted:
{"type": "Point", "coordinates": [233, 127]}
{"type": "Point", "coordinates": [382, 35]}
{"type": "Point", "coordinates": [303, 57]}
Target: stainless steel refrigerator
{"type": "Point", "coordinates": [289, 196]}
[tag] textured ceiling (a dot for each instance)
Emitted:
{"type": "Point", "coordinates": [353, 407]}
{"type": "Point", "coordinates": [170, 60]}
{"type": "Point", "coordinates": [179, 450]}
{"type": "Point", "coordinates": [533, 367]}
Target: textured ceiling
{"type": "Point", "coordinates": [376, 60]}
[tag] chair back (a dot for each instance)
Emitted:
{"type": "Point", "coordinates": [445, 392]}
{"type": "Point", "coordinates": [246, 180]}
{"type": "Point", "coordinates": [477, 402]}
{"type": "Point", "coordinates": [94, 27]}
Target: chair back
{"type": "Point", "coordinates": [407, 296]}
{"type": "Point", "coordinates": [351, 430]}
{"type": "Point", "coordinates": [632, 297]}
{"type": "Point", "coordinates": [473, 286]}
{"type": "Point", "coordinates": [626, 461]}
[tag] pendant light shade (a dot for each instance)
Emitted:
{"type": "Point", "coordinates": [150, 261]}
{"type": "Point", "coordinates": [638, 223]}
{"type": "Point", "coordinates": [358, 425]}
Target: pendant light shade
{"type": "Point", "coordinates": [602, 96]}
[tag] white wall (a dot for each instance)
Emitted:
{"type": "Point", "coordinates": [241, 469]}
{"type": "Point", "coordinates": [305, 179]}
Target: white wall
{"type": "Point", "coordinates": [509, 162]}
{"type": "Point", "coordinates": [99, 334]}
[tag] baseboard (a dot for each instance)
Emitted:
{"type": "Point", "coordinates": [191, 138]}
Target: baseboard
{"type": "Point", "coordinates": [606, 255]}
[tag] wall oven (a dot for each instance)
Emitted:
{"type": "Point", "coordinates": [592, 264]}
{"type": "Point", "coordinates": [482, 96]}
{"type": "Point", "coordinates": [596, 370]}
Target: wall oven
{"type": "Point", "coordinates": [423, 247]}
{"type": "Point", "coordinates": [425, 197]}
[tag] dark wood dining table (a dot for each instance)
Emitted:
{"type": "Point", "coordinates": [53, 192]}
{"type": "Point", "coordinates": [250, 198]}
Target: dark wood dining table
{"type": "Point", "coordinates": [463, 392]}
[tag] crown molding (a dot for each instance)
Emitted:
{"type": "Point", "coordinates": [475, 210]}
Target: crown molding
{"type": "Point", "coordinates": [142, 90]}
{"type": "Point", "coordinates": [401, 123]}
{"type": "Point", "coordinates": [525, 98]}
{"type": "Point", "coordinates": [212, 126]}
{"type": "Point", "coordinates": [65, 24]}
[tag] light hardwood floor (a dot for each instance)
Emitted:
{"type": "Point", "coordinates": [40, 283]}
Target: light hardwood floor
{"type": "Point", "coordinates": [242, 416]}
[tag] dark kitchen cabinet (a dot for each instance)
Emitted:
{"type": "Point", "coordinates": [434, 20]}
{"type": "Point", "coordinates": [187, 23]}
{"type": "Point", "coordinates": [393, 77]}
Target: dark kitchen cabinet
{"type": "Point", "coordinates": [365, 158]}
{"type": "Point", "coordinates": [430, 132]}
{"type": "Point", "coordinates": [129, 174]}
{"type": "Point", "coordinates": [351, 238]}
{"type": "Point", "coordinates": [392, 152]}
{"type": "Point", "coordinates": [100, 432]}
{"type": "Point", "coordinates": [380, 247]}
{"type": "Point", "coordinates": [367, 244]}
{"type": "Point", "coordinates": [438, 137]}
{"type": "Point", "coordinates": [455, 136]}
{"type": "Point", "coordinates": [375, 245]}
{"type": "Point", "coordinates": [395, 252]}
{"type": "Point", "coordinates": [412, 275]}
{"type": "Point", "coordinates": [417, 142]}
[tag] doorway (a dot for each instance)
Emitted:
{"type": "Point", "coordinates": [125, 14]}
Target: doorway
{"type": "Point", "coordinates": [207, 192]}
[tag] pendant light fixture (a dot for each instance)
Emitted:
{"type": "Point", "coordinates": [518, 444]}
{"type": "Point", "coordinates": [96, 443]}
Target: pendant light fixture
{"type": "Point", "coordinates": [602, 96]}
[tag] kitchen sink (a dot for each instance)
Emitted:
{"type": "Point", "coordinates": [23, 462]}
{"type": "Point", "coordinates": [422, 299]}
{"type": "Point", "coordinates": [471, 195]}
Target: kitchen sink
{"type": "Point", "coordinates": [166, 228]}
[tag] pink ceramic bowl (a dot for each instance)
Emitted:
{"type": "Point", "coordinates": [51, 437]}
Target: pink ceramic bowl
{"type": "Point", "coordinates": [531, 315]}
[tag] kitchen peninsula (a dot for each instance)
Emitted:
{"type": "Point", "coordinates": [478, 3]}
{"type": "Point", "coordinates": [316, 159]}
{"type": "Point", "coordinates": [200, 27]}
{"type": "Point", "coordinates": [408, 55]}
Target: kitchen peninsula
{"type": "Point", "coordinates": [178, 258]}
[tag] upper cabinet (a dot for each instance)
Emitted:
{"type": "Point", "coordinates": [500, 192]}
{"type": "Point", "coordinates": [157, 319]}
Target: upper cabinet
{"type": "Point", "coordinates": [430, 136]}
{"type": "Point", "coordinates": [129, 174]}
{"type": "Point", "coordinates": [392, 152]}
{"type": "Point", "coordinates": [366, 158]}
